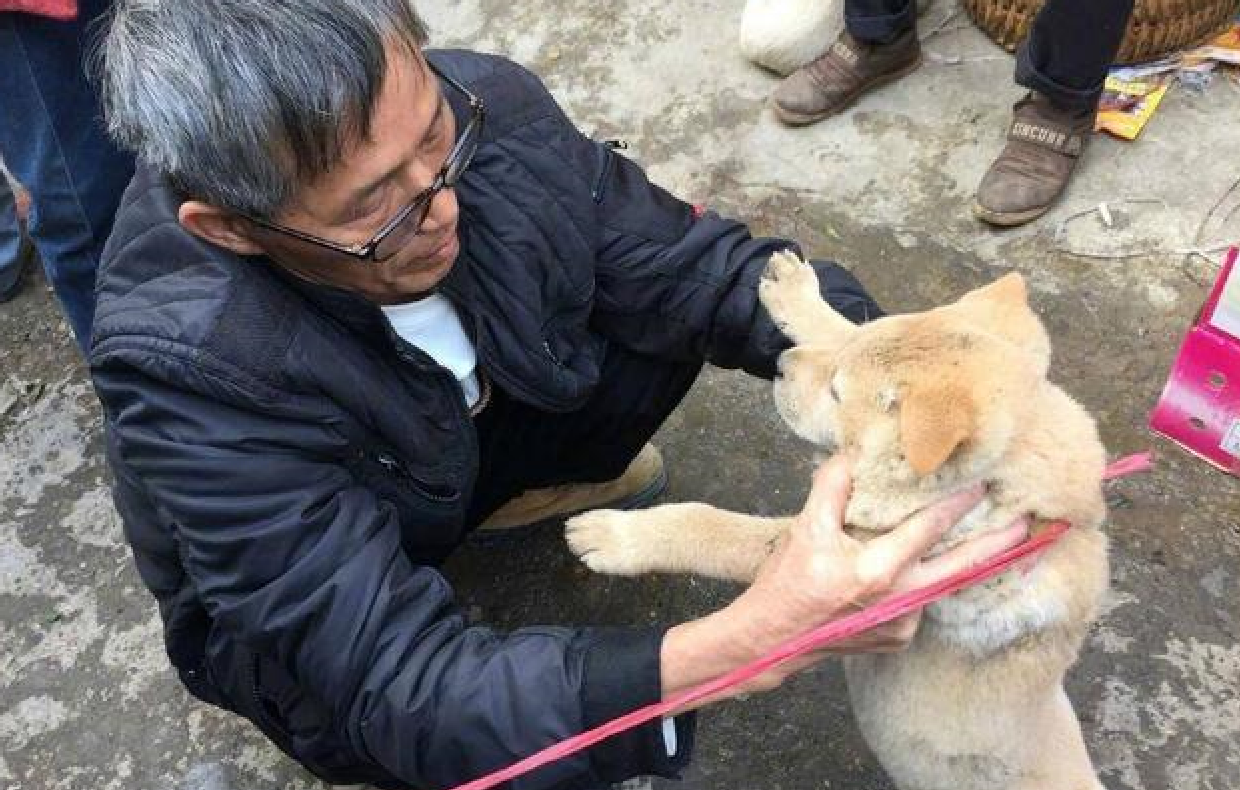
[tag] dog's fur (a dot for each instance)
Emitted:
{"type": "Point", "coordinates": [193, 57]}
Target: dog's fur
{"type": "Point", "coordinates": [924, 405]}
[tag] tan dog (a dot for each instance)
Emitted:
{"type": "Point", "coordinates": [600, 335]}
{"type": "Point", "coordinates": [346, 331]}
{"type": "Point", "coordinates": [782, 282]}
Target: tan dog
{"type": "Point", "coordinates": [924, 405]}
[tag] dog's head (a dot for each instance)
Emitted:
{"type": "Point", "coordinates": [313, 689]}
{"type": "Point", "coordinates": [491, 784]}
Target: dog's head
{"type": "Point", "coordinates": [913, 396]}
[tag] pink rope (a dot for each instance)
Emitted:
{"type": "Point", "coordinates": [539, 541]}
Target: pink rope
{"type": "Point", "coordinates": [888, 609]}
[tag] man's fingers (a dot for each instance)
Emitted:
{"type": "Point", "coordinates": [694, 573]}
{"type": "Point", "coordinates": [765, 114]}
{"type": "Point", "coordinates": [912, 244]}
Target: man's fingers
{"type": "Point", "coordinates": [890, 637]}
{"type": "Point", "coordinates": [967, 555]}
{"type": "Point", "coordinates": [824, 508]}
{"type": "Point", "coordinates": [911, 540]}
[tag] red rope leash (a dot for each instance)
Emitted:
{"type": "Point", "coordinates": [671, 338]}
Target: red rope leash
{"type": "Point", "coordinates": [884, 611]}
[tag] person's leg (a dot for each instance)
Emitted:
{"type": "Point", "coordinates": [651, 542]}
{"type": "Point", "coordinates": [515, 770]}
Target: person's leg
{"type": "Point", "coordinates": [53, 140]}
{"type": "Point", "coordinates": [1070, 48]}
{"type": "Point", "coordinates": [524, 449]}
{"type": "Point", "coordinates": [10, 241]}
{"type": "Point", "coordinates": [879, 21]}
{"type": "Point", "coordinates": [1064, 63]}
{"type": "Point", "coordinates": [878, 45]}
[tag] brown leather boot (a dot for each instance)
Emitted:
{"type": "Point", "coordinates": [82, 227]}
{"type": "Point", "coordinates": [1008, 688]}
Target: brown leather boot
{"type": "Point", "coordinates": [847, 70]}
{"type": "Point", "coordinates": [1043, 147]}
{"type": "Point", "coordinates": [643, 480]}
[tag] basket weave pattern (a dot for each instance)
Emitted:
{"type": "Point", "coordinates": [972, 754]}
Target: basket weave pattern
{"type": "Point", "coordinates": [1157, 27]}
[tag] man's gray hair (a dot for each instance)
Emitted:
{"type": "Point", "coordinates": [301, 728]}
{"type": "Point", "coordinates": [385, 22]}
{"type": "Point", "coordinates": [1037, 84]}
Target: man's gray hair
{"type": "Point", "coordinates": [240, 101]}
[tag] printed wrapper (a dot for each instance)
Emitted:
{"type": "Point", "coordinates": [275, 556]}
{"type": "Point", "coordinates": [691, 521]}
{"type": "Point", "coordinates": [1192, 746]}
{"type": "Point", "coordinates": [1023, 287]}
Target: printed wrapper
{"type": "Point", "coordinates": [1126, 107]}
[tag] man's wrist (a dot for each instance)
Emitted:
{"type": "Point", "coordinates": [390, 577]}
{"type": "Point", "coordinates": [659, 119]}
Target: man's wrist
{"type": "Point", "coordinates": [701, 650]}
{"type": "Point", "coordinates": [622, 673]}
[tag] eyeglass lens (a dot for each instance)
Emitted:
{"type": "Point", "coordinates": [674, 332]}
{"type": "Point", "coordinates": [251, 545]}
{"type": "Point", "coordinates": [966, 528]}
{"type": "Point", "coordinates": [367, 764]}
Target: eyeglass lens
{"type": "Point", "coordinates": [459, 159]}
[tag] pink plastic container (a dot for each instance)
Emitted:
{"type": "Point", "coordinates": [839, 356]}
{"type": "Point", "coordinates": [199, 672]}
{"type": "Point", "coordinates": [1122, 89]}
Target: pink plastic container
{"type": "Point", "coordinates": [1200, 406]}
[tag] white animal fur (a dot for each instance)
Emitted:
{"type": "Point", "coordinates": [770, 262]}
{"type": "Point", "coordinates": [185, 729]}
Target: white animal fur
{"type": "Point", "coordinates": [784, 35]}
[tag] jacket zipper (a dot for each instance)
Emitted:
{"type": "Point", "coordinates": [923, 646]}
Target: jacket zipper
{"type": "Point", "coordinates": [394, 466]}
{"type": "Point", "coordinates": [389, 461]}
{"type": "Point", "coordinates": [551, 354]}
{"type": "Point", "coordinates": [500, 376]}
{"type": "Point", "coordinates": [606, 150]}
{"type": "Point", "coordinates": [252, 672]}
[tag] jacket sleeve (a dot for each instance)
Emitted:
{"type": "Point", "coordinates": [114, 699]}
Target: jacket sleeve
{"type": "Point", "coordinates": [296, 561]}
{"type": "Point", "coordinates": [678, 283]}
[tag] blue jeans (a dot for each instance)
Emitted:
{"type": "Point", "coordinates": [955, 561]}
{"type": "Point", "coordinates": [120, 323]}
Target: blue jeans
{"type": "Point", "coordinates": [52, 139]}
{"type": "Point", "coordinates": [10, 239]}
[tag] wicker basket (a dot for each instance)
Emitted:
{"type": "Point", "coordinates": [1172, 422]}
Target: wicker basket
{"type": "Point", "coordinates": [1157, 26]}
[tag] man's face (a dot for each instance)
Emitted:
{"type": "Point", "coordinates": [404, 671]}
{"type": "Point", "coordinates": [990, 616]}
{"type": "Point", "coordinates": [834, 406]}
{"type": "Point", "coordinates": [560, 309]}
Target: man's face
{"type": "Point", "coordinates": [412, 131]}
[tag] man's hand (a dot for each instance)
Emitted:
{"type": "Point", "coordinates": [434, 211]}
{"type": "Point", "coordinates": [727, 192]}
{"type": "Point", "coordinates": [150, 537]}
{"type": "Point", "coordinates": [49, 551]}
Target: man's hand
{"type": "Point", "coordinates": [820, 574]}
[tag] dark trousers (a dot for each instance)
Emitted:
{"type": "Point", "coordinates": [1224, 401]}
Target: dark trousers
{"type": "Point", "coordinates": [522, 447]}
{"type": "Point", "coordinates": [1066, 56]}
{"type": "Point", "coordinates": [53, 141]}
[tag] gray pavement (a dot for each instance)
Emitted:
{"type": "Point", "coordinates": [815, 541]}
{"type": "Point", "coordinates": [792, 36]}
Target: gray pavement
{"type": "Point", "coordinates": [88, 701]}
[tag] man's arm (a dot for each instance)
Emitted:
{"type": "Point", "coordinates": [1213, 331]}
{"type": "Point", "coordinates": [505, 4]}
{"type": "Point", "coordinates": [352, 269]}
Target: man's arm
{"type": "Point", "coordinates": [294, 559]}
{"type": "Point", "coordinates": [674, 283]}
{"type": "Point", "coordinates": [669, 282]}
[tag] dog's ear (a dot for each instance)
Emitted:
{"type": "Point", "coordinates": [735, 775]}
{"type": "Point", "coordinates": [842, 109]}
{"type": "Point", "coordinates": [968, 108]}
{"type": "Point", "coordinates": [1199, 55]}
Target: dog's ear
{"type": "Point", "coordinates": [1002, 309]}
{"type": "Point", "coordinates": [935, 419]}
{"type": "Point", "coordinates": [790, 293]}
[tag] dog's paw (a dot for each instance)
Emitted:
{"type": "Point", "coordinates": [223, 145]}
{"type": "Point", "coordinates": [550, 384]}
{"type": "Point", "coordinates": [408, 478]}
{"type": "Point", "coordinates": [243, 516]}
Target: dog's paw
{"type": "Point", "coordinates": [783, 265]}
{"type": "Point", "coordinates": [606, 541]}
{"type": "Point", "coordinates": [788, 285]}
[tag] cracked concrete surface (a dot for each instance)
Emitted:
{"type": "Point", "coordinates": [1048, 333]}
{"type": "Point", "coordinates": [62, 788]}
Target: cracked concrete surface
{"type": "Point", "coordinates": [87, 699]}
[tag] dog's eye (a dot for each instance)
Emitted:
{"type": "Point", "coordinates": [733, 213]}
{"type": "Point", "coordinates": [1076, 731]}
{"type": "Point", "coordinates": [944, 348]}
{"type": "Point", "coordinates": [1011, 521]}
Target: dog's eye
{"type": "Point", "coordinates": [835, 393]}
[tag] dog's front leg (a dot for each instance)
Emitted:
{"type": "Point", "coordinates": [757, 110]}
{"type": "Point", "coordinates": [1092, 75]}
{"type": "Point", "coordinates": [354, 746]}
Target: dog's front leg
{"type": "Point", "coordinates": [686, 537]}
{"type": "Point", "coordinates": [790, 293]}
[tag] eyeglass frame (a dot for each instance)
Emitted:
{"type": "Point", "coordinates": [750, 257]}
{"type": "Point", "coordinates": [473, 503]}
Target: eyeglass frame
{"type": "Point", "coordinates": [365, 253]}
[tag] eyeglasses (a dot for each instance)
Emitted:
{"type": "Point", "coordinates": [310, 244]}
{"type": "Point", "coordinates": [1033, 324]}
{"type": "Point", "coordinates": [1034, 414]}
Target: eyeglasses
{"type": "Point", "coordinates": [407, 223]}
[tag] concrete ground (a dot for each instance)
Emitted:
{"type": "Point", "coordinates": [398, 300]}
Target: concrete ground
{"type": "Point", "coordinates": [88, 701]}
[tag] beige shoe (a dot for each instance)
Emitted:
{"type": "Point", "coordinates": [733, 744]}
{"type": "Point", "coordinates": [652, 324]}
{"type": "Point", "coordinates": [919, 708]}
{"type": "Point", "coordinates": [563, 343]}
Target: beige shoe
{"type": "Point", "coordinates": [642, 481]}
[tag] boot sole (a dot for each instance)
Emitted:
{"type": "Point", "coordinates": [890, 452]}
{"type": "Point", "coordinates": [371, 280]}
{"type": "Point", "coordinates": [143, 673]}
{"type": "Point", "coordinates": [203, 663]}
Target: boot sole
{"type": "Point", "coordinates": [1008, 219]}
{"type": "Point", "coordinates": [490, 536]}
{"type": "Point", "coordinates": [792, 118]}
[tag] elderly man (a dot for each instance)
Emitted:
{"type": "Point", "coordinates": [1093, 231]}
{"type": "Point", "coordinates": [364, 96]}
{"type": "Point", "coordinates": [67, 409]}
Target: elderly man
{"type": "Point", "coordinates": [360, 296]}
